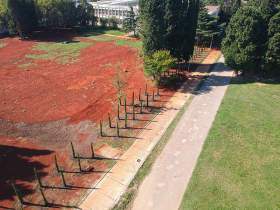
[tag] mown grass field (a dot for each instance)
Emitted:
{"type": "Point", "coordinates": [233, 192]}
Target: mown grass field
{"type": "Point", "coordinates": [239, 165]}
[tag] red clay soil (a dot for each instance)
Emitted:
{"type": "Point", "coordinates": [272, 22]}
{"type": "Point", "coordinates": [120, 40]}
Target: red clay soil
{"type": "Point", "coordinates": [46, 107]}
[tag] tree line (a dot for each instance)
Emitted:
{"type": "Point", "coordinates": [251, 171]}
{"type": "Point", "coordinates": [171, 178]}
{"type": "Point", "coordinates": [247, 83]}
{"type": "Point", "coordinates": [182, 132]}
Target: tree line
{"type": "Point", "coordinates": [168, 25]}
{"type": "Point", "coordinates": [252, 41]}
{"type": "Point", "coordinates": [24, 16]}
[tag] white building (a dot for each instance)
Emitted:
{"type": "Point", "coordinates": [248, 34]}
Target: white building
{"type": "Point", "coordinates": [114, 8]}
{"type": "Point", "coordinates": [213, 10]}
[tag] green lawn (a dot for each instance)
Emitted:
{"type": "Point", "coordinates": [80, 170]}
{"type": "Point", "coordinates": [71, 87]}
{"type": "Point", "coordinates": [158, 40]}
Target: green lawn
{"type": "Point", "coordinates": [239, 166]}
{"type": "Point", "coordinates": [2, 45]}
{"type": "Point", "coordinates": [99, 29]}
{"type": "Point", "coordinates": [135, 44]}
{"type": "Point", "coordinates": [61, 53]}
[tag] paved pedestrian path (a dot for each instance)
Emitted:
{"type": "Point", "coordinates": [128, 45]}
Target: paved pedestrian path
{"type": "Point", "coordinates": [109, 189]}
{"type": "Point", "coordinates": [164, 187]}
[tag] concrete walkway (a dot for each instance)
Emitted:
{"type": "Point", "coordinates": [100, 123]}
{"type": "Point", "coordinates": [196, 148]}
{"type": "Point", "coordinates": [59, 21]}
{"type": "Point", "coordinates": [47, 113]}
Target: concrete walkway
{"type": "Point", "coordinates": [113, 184]}
{"type": "Point", "coordinates": [164, 187]}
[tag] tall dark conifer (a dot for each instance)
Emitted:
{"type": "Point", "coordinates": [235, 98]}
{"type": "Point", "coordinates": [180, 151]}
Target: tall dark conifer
{"type": "Point", "coordinates": [174, 35]}
{"type": "Point", "coordinates": [190, 28]}
{"type": "Point", "coordinates": [152, 25]}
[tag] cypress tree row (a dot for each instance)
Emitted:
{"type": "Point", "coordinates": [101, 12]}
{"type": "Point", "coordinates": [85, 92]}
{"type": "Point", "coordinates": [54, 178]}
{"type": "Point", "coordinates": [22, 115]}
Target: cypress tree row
{"type": "Point", "coordinates": [169, 25]}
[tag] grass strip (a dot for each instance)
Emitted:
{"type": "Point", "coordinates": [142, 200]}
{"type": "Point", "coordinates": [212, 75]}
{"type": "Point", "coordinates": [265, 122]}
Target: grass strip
{"type": "Point", "coordinates": [135, 44]}
{"type": "Point", "coordinates": [130, 193]}
{"type": "Point", "coordinates": [238, 167]}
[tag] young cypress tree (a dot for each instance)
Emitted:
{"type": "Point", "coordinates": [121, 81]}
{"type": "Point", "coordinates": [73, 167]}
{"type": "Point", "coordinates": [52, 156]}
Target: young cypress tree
{"type": "Point", "coordinates": [80, 168]}
{"type": "Point", "coordinates": [118, 112]}
{"type": "Point", "coordinates": [109, 120]}
{"type": "Point", "coordinates": [92, 152]}
{"type": "Point", "coordinates": [125, 120]}
{"type": "Point", "coordinates": [17, 193]}
{"type": "Point", "coordinates": [133, 112]}
{"type": "Point", "coordinates": [73, 151]}
{"type": "Point", "coordinates": [125, 104]}
{"type": "Point", "coordinates": [152, 14]}
{"type": "Point", "coordinates": [133, 98]}
{"type": "Point", "coordinates": [140, 94]}
{"type": "Point", "coordinates": [118, 130]}
{"type": "Point", "coordinates": [43, 196]}
{"type": "Point", "coordinates": [63, 180]}
{"type": "Point", "coordinates": [100, 125]}
{"type": "Point", "coordinates": [55, 161]}
{"type": "Point", "coordinates": [37, 177]}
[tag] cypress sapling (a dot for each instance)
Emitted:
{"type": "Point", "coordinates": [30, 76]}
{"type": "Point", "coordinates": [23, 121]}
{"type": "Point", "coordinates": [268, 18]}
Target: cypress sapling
{"type": "Point", "coordinates": [140, 94]}
{"type": "Point", "coordinates": [56, 163]}
{"type": "Point", "coordinates": [125, 120]}
{"type": "Point", "coordinates": [17, 193]}
{"type": "Point", "coordinates": [133, 111]}
{"type": "Point", "coordinates": [92, 152]}
{"type": "Point", "coordinates": [44, 199]}
{"type": "Point", "coordinates": [147, 99]}
{"type": "Point", "coordinates": [125, 104]}
{"type": "Point", "coordinates": [63, 180]}
{"type": "Point", "coordinates": [153, 94]}
{"type": "Point", "coordinates": [133, 98]}
{"type": "Point", "coordinates": [109, 120]}
{"type": "Point", "coordinates": [118, 112]}
{"type": "Point", "coordinates": [73, 151]}
{"type": "Point", "coordinates": [79, 163]}
{"type": "Point", "coordinates": [100, 124]}
{"type": "Point", "coordinates": [118, 131]}
{"type": "Point", "coordinates": [36, 174]}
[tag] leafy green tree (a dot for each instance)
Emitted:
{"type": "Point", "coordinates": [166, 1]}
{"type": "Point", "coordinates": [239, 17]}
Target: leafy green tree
{"type": "Point", "coordinates": [161, 61]}
{"type": "Point", "coordinates": [130, 23]}
{"type": "Point", "coordinates": [273, 52]}
{"type": "Point", "coordinates": [113, 22]}
{"type": "Point", "coordinates": [152, 25]}
{"type": "Point", "coordinates": [57, 13]}
{"type": "Point", "coordinates": [84, 12]}
{"type": "Point", "coordinates": [242, 40]}
{"type": "Point", "coordinates": [23, 15]}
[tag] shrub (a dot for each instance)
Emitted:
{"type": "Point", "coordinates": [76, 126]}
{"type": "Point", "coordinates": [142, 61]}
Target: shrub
{"type": "Point", "coordinates": [113, 22]}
